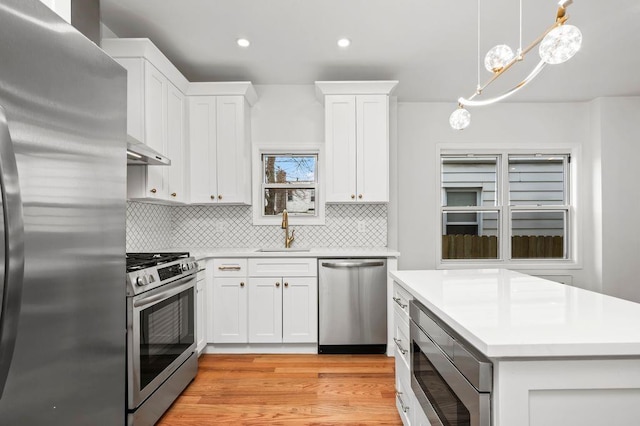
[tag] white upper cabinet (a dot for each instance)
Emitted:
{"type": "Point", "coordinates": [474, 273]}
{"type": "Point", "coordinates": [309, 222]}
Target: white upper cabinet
{"type": "Point", "coordinates": [156, 116]}
{"type": "Point", "coordinates": [357, 140]}
{"type": "Point", "coordinates": [176, 144]}
{"type": "Point", "coordinates": [220, 143]}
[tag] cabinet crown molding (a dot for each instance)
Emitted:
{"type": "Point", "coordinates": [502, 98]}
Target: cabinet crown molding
{"type": "Point", "coordinates": [226, 88]}
{"type": "Point", "coordinates": [373, 87]}
{"type": "Point", "coordinates": [144, 48]}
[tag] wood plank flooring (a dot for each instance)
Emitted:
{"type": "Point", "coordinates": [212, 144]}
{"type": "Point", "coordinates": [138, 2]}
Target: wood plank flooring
{"type": "Point", "coordinates": [288, 390]}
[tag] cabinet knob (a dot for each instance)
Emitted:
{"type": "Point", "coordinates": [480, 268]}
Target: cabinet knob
{"type": "Point", "coordinates": [219, 197]}
{"type": "Point", "coordinates": [278, 284]}
{"type": "Point", "coordinates": [213, 197]}
{"type": "Point", "coordinates": [241, 284]}
{"type": "Point", "coordinates": [286, 284]}
{"type": "Point", "coordinates": [360, 196]}
{"type": "Point", "coordinates": [153, 190]}
{"type": "Point", "coordinates": [173, 194]}
{"type": "Point", "coordinates": [353, 196]}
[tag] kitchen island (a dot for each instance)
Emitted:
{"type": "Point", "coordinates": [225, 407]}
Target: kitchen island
{"type": "Point", "coordinates": [561, 355]}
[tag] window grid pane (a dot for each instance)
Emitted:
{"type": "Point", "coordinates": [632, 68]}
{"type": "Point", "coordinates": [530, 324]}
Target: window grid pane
{"type": "Point", "coordinates": [537, 234]}
{"type": "Point", "coordinates": [466, 175]}
{"type": "Point", "coordinates": [470, 240]}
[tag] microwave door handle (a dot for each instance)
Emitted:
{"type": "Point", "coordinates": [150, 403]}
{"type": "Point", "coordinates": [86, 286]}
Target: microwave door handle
{"type": "Point", "coordinates": [11, 250]}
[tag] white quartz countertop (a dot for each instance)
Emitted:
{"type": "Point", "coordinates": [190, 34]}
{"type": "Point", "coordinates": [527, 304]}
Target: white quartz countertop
{"type": "Point", "coordinates": [204, 253]}
{"type": "Point", "coordinates": [507, 314]}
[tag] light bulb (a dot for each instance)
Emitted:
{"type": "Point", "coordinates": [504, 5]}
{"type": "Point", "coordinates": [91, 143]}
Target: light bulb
{"type": "Point", "coordinates": [460, 119]}
{"type": "Point", "coordinates": [344, 42]}
{"type": "Point", "coordinates": [243, 42]}
{"type": "Point", "coordinates": [560, 44]}
{"type": "Point", "coordinates": [498, 57]}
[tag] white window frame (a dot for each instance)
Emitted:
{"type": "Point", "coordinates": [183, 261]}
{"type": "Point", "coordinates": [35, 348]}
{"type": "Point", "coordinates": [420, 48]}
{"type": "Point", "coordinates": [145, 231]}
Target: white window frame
{"type": "Point", "coordinates": [572, 223]}
{"type": "Point", "coordinates": [260, 149]}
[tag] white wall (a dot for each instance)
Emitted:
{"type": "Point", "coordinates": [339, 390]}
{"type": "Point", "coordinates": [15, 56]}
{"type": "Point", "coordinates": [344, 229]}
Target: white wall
{"type": "Point", "coordinates": [422, 126]}
{"type": "Point", "coordinates": [288, 114]}
{"type": "Point", "coordinates": [61, 7]}
{"type": "Point", "coordinates": [619, 140]}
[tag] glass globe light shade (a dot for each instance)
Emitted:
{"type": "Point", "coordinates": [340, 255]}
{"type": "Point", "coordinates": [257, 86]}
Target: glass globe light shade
{"type": "Point", "coordinates": [460, 119]}
{"type": "Point", "coordinates": [497, 57]}
{"type": "Point", "coordinates": [560, 44]}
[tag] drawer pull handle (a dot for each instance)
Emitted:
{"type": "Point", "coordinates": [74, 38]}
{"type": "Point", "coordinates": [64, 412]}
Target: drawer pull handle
{"type": "Point", "coordinates": [241, 284]}
{"type": "Point", "coordinates": [229, 268]}
{"type": "Point", "coordinates": [400, 348]}
{"type": "Point", "coordinates": [404, 407]}
{"type": "Point", "coordinates": [277, 284]}
{"type": "Point", "coordinates": [398, 301]}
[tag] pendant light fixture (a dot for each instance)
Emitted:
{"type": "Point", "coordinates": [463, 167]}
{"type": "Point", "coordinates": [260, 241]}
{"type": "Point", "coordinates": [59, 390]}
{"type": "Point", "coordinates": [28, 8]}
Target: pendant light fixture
{"type": "Point", "coordinates": [557, 44]}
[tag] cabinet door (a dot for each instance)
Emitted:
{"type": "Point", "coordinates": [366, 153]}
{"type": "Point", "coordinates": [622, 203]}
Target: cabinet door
{"type": "Point", "coordinates": [232, 148]}
{"type": "Point", "coordinates": [340, 136]}
{"type": "Point", "coordinates": [175, 143]}
{"type": "Point", "coordinates": [265, 310]}
{"type": "Point", "coordinates": [202, 148]}
{"type": "Point", "coordinates": [372, 136]}
{"type": "Point", "coordinates": [229, 311]}
{"type": "Point", "coordinates": [300, 310]}
{"type": "Point", "coordinates": [155, 113]}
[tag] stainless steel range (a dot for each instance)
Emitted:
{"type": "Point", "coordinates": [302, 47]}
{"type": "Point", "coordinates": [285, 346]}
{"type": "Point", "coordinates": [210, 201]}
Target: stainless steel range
{"type": "Point", "coordinates": [161, 338]}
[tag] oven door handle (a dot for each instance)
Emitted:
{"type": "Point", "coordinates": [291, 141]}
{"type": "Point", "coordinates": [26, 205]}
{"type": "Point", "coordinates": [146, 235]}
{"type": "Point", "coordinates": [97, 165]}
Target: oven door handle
{"type": "Point", "coordinates": [167, 291]}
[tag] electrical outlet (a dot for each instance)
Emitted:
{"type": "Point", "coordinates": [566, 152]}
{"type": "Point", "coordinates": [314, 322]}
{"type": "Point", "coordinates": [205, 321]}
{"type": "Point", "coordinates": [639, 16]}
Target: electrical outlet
{"type": "Point", "coordinates": [220, 226]}
{"type": "Point", "coordinates": [362, 226]}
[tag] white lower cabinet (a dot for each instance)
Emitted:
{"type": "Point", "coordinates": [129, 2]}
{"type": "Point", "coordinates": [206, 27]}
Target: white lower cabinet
{"type": "Point", "coordinates": [408, 406]}
{"type": "Point", "coordinates": [283, 308]}
{"type": "Point", "coordinates": [228, 300]}
{"type": "Point", "coordinates": [201, 312]}
{"type": "Point", "coordinates": [265, 300]}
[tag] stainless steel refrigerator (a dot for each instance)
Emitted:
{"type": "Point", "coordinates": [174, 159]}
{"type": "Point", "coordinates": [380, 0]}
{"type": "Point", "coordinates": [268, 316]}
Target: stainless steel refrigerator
{"type": "Point", "coordinates": [62, 238]}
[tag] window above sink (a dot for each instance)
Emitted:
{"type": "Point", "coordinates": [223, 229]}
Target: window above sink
{"type": "Point", "coordinates": [287, 177]}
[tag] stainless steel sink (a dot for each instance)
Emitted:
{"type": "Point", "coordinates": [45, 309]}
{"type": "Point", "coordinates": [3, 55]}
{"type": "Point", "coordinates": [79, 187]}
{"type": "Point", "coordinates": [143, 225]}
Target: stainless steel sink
{"type": "Point", "coordinates": [282, 250]}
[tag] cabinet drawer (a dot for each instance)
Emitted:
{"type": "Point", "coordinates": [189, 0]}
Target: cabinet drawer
{"type": "Point", "coordinates": [403, 401]}
{"type": "Point", "coordinates": [279, 267]}
{"type": "Point", "coordinates": [401, 300]}
{"type": "Point", "coordinates": [401, 341]}
{"type": "Point", "coordinates": [230, 267]}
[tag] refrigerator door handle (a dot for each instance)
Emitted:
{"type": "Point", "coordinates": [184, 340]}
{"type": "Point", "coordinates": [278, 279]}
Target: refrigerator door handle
{"type": "Point", "coordinates": [12, 244]}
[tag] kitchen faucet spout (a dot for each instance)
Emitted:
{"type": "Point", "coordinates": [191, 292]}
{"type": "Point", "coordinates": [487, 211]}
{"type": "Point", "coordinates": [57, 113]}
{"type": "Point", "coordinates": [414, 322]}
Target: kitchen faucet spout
{"type": "Point", "coordinates": [285, 225]}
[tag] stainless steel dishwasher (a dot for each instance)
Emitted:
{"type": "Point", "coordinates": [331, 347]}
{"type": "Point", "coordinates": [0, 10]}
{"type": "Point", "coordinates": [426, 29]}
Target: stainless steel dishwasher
{"type": "Point", "coordinates": [352, 311]}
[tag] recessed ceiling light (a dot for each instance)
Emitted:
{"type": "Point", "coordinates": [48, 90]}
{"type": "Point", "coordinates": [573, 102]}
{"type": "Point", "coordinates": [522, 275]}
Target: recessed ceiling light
{"type": "Point", "coordinates": [243, 42]}
{"type": "Point", "coordinates": [344, 42]}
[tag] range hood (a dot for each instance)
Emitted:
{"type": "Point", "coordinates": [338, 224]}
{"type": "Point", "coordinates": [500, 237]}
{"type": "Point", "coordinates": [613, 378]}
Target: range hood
{"type": "Point", "coordinates": [142, 155]}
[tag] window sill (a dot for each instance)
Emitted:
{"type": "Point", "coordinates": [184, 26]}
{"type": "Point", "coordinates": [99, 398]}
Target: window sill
{"type": "Point", "coordinates": [533, 265]}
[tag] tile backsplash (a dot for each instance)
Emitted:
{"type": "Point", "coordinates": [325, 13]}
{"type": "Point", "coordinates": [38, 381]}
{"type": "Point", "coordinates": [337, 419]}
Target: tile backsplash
{"type": "Point", "coordinates": [152, 227]}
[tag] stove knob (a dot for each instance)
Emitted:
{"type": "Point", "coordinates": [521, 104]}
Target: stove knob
{"type": "Point", "coordinates": [151, 279]}
{"type": "Point", "coordinates": [184, 267]}
{"type": "Point", "coordinates": [141, 281]}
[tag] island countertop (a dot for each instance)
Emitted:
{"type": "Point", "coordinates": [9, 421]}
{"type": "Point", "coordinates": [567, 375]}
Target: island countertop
{"type": "Point", "coordinates": [507, 314]}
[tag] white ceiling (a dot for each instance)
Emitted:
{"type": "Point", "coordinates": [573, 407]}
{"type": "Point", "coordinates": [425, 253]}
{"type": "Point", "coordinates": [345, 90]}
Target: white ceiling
{"type": "Point", "coordinates": [430, 46]}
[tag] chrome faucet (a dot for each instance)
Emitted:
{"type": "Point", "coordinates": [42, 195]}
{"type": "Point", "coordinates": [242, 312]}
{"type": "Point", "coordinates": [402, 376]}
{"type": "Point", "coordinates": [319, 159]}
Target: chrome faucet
{"type": "Point", "coordinates": [285, 225]}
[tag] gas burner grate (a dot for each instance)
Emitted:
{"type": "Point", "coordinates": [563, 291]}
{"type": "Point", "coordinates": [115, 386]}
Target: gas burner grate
{"type": "Point", "coordinates": [136, 261]}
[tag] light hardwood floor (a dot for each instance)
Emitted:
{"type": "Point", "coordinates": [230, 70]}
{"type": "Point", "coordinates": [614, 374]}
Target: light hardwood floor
{"type": "Point", "coordinates": [288, 390]}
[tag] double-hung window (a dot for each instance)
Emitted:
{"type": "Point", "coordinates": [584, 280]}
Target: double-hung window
{"type": "Point", "coordinates": [509, 207]}
{"type": "Point", "coordinates": [289, 181]}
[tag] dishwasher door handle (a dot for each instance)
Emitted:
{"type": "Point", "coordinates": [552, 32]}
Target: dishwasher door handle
{"type": "Point", "coordinates": [351, 264]}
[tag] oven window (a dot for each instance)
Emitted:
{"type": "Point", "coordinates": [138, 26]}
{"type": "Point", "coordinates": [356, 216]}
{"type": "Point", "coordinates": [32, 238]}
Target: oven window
{"type": "Point", "coordinates": [448, 407]}
{"type": "Point", "coordinates": [166, 331]}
